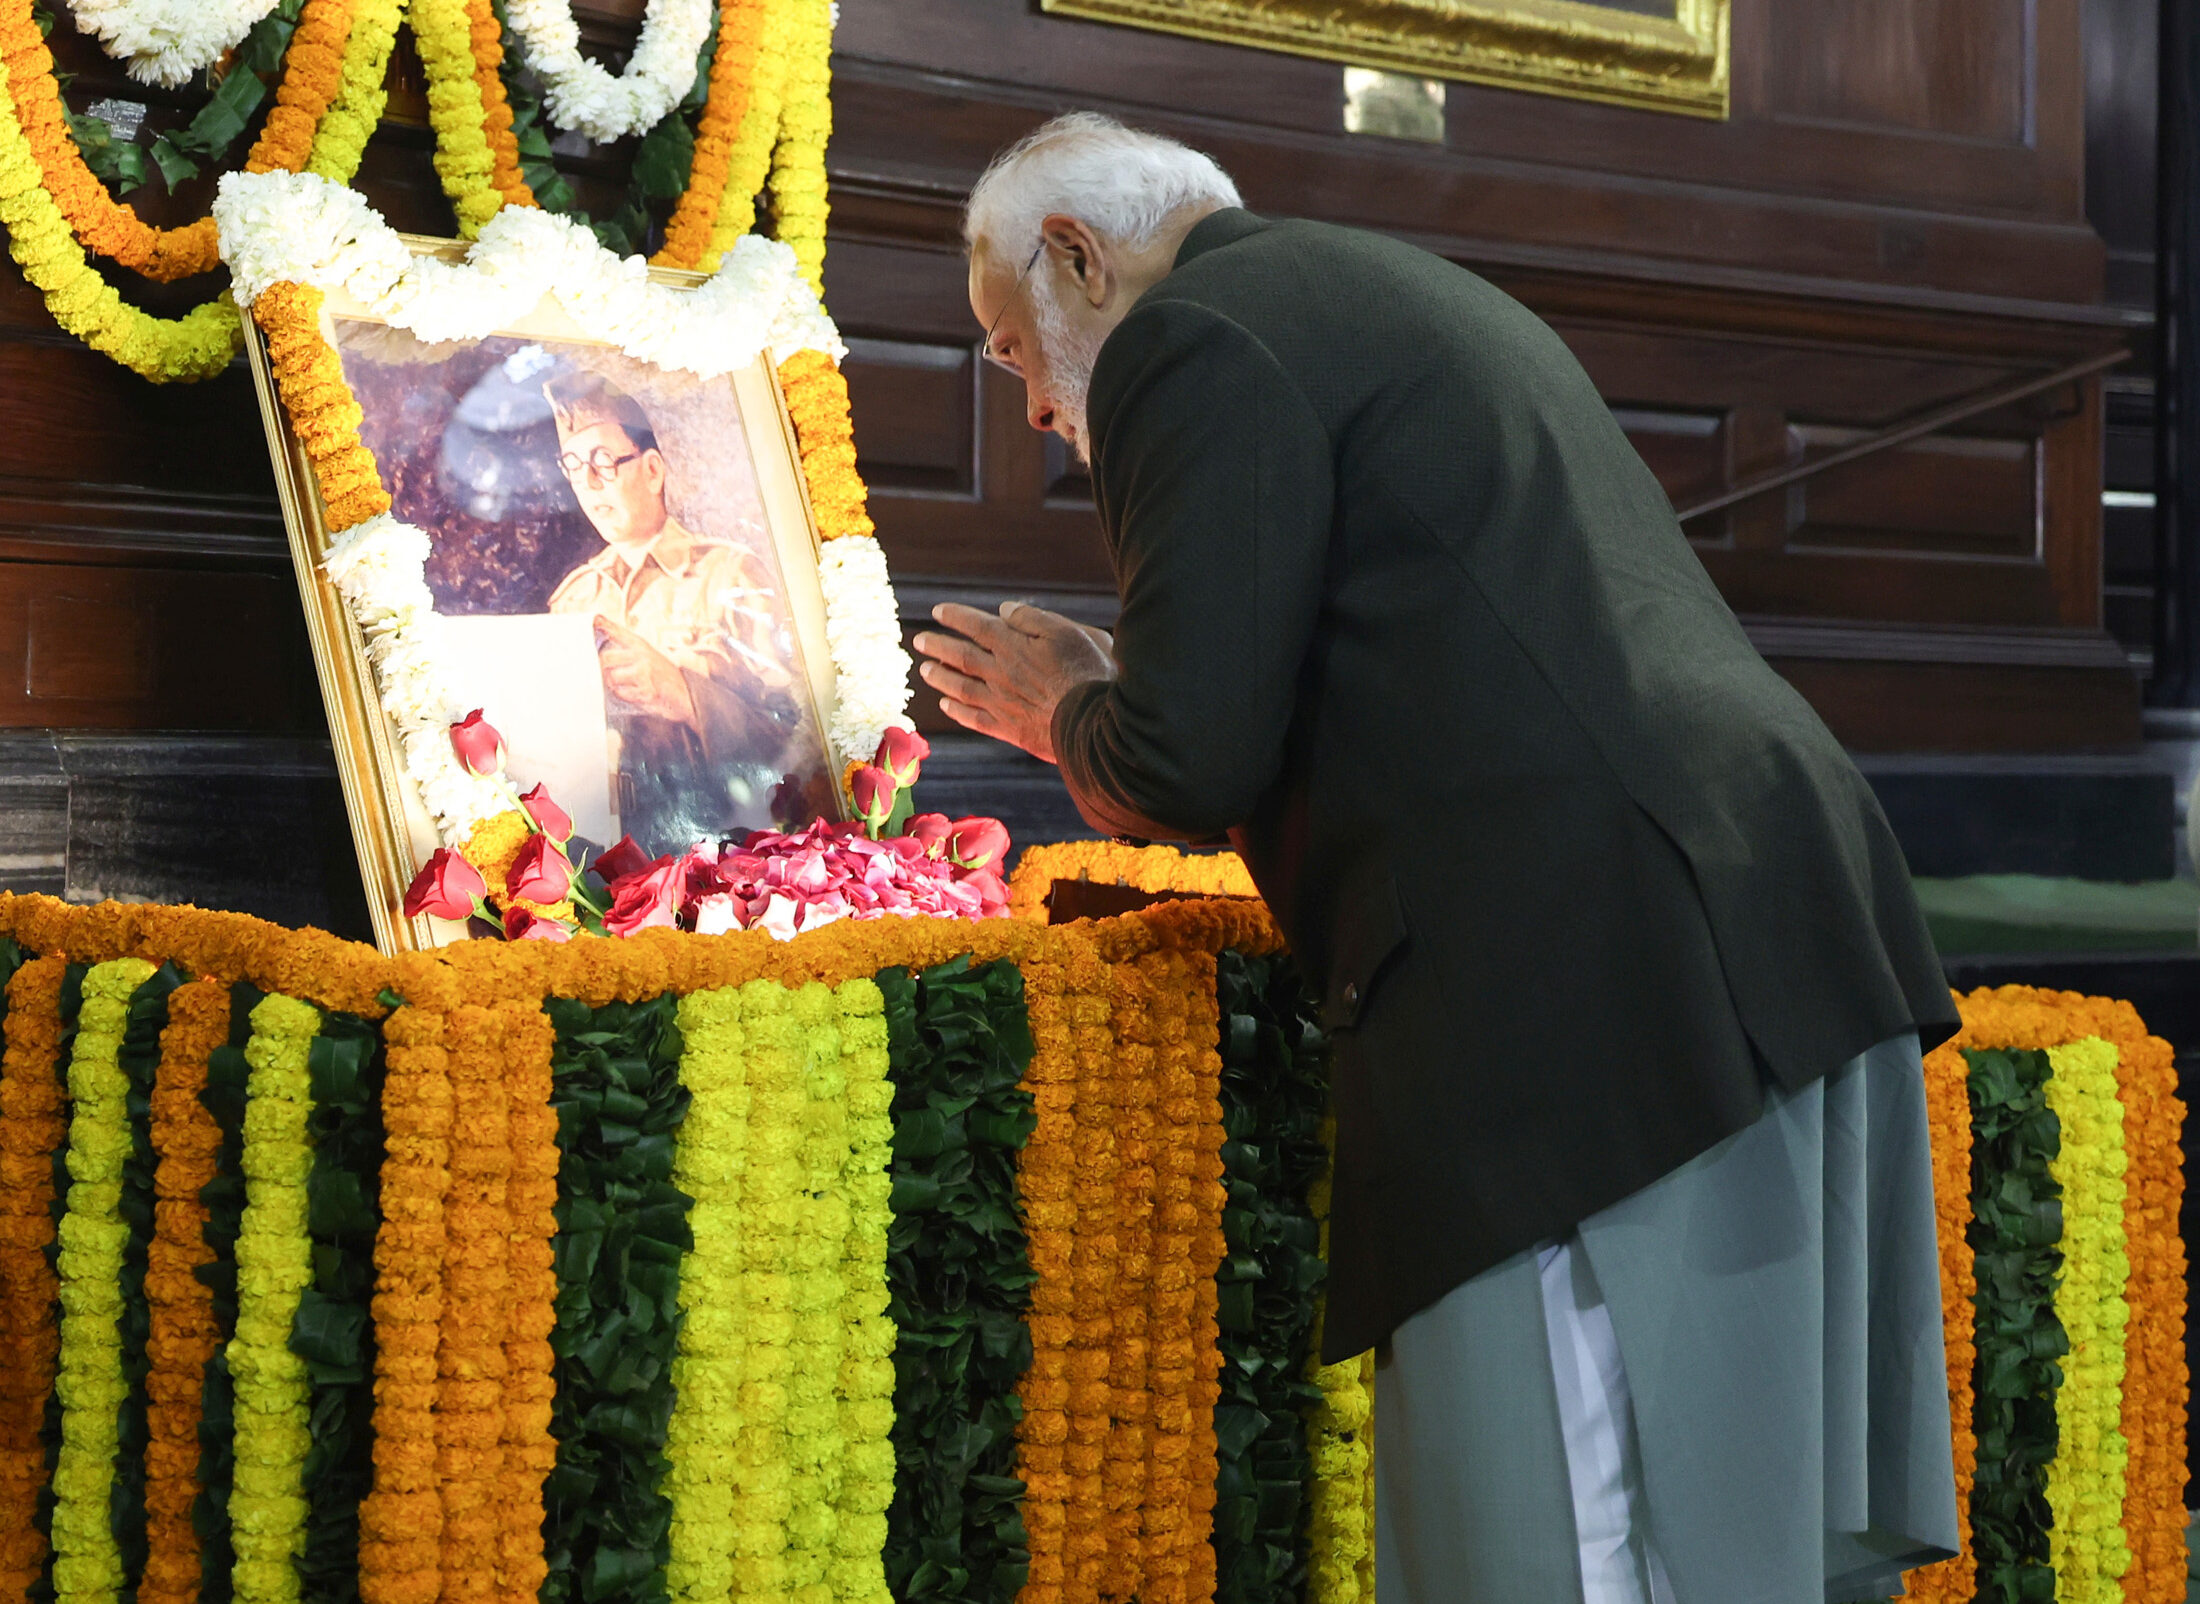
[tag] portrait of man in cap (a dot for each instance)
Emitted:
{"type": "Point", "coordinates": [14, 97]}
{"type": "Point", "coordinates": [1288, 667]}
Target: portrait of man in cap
{"type": "Point", "coordinates": [702, 696]}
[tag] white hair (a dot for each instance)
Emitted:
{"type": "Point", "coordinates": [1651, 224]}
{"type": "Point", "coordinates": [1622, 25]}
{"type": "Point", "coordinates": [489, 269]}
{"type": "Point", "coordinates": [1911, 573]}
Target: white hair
{"type": "Point", "coordinates": [1124, 184]}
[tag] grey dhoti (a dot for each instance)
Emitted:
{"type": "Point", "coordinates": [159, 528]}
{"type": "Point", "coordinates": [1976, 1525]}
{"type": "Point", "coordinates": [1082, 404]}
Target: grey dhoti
{"type": "Point", "coordinates": [1729, 1388]}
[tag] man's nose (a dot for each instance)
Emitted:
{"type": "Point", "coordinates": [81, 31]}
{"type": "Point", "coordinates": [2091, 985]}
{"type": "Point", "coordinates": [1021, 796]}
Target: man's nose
{"type": "Point", "coordinates": [1040, 412]}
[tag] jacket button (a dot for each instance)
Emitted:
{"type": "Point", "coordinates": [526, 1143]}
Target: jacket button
{"type": "Point", "coordinates": [1352, 994]}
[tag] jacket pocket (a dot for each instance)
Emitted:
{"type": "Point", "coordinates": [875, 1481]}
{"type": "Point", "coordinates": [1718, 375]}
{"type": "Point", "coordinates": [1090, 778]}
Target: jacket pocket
{"type": "Point", "coordinates": [1371, 927]}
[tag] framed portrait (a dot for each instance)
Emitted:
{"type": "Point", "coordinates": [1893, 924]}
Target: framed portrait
{"type": "Point", "coordinates": [622, 568]}
{"type": "Point", "coordinates": [1660, 55]}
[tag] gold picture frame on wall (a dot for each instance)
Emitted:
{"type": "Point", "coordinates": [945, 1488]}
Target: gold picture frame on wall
{"type": "Point", "coordinates": [1658, 55]}
{"type": "Point", "coordinates": [457, 424]}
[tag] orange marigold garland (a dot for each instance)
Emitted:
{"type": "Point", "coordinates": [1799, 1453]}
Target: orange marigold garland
{"type": "Point", "coordinates": [401, 1522]}
{"type": "Point", "coordinates": [185, 1333]}
{"type": "Point", "coordinates": [471, 1366]}
{"type": "Point", "coordinates": [32, 1126]}
{"type": "Point", "coordinates": [323, 412]}
{"type": "Point", "coordinates": [1097, 1290]}
{"type": "Point", "coordinates": [817, 400]}
{"type": "Point", "coordinates": [531, 1197]}
{"type": "Point", "coordinates": [1211, 874]}
{"type": "Point", "coordinates": [732, 69]}
{"type": "Point", "coordinates": [1129, 1469]}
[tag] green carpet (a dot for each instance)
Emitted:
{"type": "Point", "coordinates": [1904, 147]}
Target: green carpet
{"type": "Point", "coordinates": [2008, 913]}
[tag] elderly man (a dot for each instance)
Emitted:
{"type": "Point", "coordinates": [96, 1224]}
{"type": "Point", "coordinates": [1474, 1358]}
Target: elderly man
{"type": "Point", "coordinates": [699, 693]}
{"type": "Point", "coordinates": [1625, 980]}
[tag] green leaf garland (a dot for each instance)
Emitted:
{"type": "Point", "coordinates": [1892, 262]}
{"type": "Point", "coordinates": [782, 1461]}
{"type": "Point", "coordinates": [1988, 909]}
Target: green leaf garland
{"type": "Point", "coordinates": [622, 1228]}
{"type": "Point", "coordinates": [1275, 1085]}
{"type": "Point", "coordinates": [2016, 1230]}
{"type": "Point", "coordinates": [332, 1331]}
{"type": "Point", "coordinates": [138, 1055]}
{"type": "Point", "coordinates": [227, 1074]}
{"type": "Point", "coordinates": [959, 1276]}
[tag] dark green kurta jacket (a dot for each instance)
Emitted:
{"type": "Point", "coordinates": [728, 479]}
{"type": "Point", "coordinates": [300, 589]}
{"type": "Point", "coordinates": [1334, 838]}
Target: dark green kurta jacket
{"type": "Point", "coordinates": [1571, 868]}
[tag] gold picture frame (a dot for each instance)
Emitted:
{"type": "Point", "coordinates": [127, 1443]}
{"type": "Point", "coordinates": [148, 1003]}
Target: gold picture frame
{"type": "Point", "coordinates": [392, 829]}
{"type": "Point", "coordinates": [1616, 54]}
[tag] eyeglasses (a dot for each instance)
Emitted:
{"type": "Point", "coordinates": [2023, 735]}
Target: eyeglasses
{"type": "Point", "coordinates": [986, 350]}
{"type": "Point", "coordinates": [600, 463]}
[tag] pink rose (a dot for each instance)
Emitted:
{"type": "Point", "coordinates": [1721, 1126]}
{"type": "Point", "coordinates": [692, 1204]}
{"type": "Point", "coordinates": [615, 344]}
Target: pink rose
{"type": "Point", "coordinates": [446, 887]}
{"type": "Point", "coordinates": [874, 791]}
{"type": "Point", "coordinates": [477, 744]}
{"type": "Point", "coordinates": [523, 924]}
{"type": "Point", "coordinates": [991, 892]}
{"type": "Point", "coordinates": [978, 843]}
{"type": "Point", "coordinates": [540, 872]}
{"type": "Point", "coordinates": [779, 914]}
{"type": "Point", "coordinates": [649, 898]}
{"type": "Point", "coordinates": [551, 819]}
{"type": "Point", "coordinates": [716, 914]}
{"type": "Point", "coordinates": [900, 752]}
{"type": "Point", "coordinates": [929, 830]}
{"type": "Point", "coordinates": [621, 861]}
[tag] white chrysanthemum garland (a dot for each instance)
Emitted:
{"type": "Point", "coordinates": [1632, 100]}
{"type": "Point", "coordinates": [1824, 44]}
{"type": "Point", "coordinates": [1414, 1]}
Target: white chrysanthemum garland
{"type": "Point", "coordinates": [297, 228]}
{"type": "Point", "coordinates": [168, 42]}
{"type": "Point", "coordinates": [581, 95]}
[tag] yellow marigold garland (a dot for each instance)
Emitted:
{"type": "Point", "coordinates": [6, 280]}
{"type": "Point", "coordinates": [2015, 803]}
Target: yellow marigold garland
{"type": "Point", "coordinates": [695, 216]}
{"type": "Point", "coordinates": [710, 1158]}
{"type": "Point", "coordinates": [267, 1507]}
{"type": "Point", "coordinates": [470, 1360]}
{"type": "Point", "coordinates": [1131, 1111]}
{"type": "Point", "coordinates": [2085, 1480]}
{"type": "Point", "coordinates": [464, 159]}
{"type": "Point", "coordinates": [89, 1382]}
{"type": "Point", "coordinates": [749, 157]}
{"type": "Point", "coordinates": [817, 400]}
{"type": "Point", "coordinates": [531, 1197]}
{"type": "Point", "coordinates": [1340, 1441]}
{"type": "Point", "coordinates": [341, 139]}
{"type": "Point", "coordinates": [184, 1332]}
{"type": "Point", "coordinates": [866, 1381]}
{"type": "Point", "coordinates": [32, 1128]}
{"type": "Point", "coordinates": [805, 124]}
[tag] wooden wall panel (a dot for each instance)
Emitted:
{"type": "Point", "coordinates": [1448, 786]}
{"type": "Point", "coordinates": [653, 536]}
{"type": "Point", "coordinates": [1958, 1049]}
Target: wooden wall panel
{"type": "Point", "coordinates": [1955, 67]}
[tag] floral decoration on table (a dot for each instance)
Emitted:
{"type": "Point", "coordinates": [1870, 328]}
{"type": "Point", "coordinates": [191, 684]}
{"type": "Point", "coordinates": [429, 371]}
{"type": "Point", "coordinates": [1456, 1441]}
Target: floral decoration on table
{"type": "Point", "coordinates": [529, 885]}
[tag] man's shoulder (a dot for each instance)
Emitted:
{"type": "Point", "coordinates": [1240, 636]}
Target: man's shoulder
{"type": "Point", "coordinates": [579, 587]}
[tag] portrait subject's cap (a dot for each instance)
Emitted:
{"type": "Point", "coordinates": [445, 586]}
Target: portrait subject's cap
{"type": "Point", "coordinates": [582, 400]}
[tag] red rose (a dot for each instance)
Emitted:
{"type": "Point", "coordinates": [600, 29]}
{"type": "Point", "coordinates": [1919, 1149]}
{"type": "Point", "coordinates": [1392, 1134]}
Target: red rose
{"type": "Point", "coordinates": [874, 790]}
{"type": "Point", "coordinates": [523, 924]}
{"type": "Point", "coordinates": [551, 819]}
{"type": "Point", "coordinates": [446, 887]}
{"type": "Point", "coordinates": [975, 843]}
{"type": "Point", "coordinates": [477, 744]}
{"type": "Point", "coordinates": [899, 754]}
{"type": "Point", "coordinates": [622, 860]}
{"type": "Point", "coordinates": [540, 872]}
{"type": "Point", "coordinates": [929, 830]}
{"type": "Point", "coordinates": [652, 897]}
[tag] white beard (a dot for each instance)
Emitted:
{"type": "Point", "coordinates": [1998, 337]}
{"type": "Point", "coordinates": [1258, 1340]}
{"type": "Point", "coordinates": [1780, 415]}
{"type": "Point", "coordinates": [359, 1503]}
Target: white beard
{"type": "Point", "coordinates": [1068, 352]}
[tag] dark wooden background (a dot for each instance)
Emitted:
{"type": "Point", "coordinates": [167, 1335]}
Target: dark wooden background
{"type": "Point", "coordinates": [1894, 216]}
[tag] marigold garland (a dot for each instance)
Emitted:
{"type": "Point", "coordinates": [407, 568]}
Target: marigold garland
{"type": "Point", "coordinates": [487, 42]}
{"type": "Point", "coordinates": [464, 159]}
{"type": "Point", "coordinates": [531, 1197]}
{"type": "Point", "coordinates": [1211, 874]}
{"type": "Point", "coordinates": [32, 1130]}
{"type": "Point", "coordinates": [267, 1508]}
{"type": "Point", "coordinates": [749, 152]}
{"type": "Point", "coordinates": [817, 400]}
{"type": "Point", "coordinates": [2085, 1480]}
{"type": "Point", "coordinates": [184, 1331]}
{"type": "Point", "coordinates": [1340, 1433]}
{"type": "Point", "coordinates": [401, 1523]}
{"type": "Point", "coordinates": [865, 1391]}
{"type": "Point", "coordinates": [694, 218]}
{"type": "Point", "coordinates": [805, 124]}
{"type": "Point", "coordinates": [89, 1379]}
{"type": "Point", "coordinates": [324, 414]}
{"type": "Point", "coordinates": [341, 140]}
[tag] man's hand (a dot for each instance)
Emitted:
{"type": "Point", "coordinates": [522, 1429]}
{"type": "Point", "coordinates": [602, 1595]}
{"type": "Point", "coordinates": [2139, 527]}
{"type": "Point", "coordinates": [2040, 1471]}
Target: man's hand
{"type": "Point", "coordinates": [1002, 676]}
{"type": "Point", "coordinates": [637, 672]}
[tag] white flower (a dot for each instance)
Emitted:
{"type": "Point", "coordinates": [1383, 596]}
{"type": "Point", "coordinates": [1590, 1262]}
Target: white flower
{"type": "Point", "coordinates": [168, 42]}
{"type": "Point", "coordinates": [581, 95]}
{"type": "Point", "coordinates": [863, 630]}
